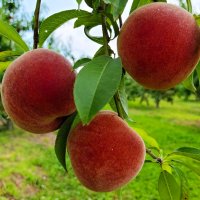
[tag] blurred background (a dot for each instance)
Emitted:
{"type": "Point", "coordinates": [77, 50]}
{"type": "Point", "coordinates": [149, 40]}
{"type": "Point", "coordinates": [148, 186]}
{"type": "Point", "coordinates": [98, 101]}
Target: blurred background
{"type": "Point", "coordinates": [28, 166]}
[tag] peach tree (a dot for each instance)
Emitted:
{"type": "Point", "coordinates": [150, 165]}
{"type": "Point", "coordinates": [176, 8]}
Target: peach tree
{"type": "Point", "coordinates": [158, 45]}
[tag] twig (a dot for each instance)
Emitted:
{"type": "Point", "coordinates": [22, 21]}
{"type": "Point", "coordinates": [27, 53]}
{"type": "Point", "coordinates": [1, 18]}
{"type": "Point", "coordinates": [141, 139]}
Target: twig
{"type": "Point", "coordinates": [148, 151]}
{"type": "Point", "coordinates": [36, 24]}
{"type": "Point", "coordinates": [104, 29]}
{"type": "Point", "coordinates": [106, 41]}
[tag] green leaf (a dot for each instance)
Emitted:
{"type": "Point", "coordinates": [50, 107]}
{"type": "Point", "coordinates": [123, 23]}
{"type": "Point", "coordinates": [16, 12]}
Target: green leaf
{"type": "Point", "coordinates": [76, 121]}
{"type": "Point", "coordinates": [5, 55]}
{"type": "Point", "coordinates": [112, 22]}
{"type": "Point", "coordinates": [56, 20]}
{"type": "Point", "coordinates": [123, 96]}
{"type": "Point", "coordinates": [98, 40]}
{"type": "Point", "coordinates": [197, 18]}
{"type": "Point", "coordinates": [89, 3]}
{"type": "Point", "coordinates": [144, 2]}
{"type": "Point", "coordinates": [122, 100]}
{"type": "Point", "coordinates": [101, 51]}
{"type": "Point", "coordinates": [151, 142]}
{"type": "Point", "coordinates": [189, 83]}
{"type": "Point", "coordinates": [166, 167]}
{"type": "Point", "coordinates": [168, 188]}
{"type": "Point", "coordinates": [79, 2]}
{"type": "Point", "coordinates": [184, 187]}
{"type": "Point", "coordinates": [93, 3]}
{"type": "Point", "coordinates": [9, 32]}
{"type": "Point", "coordinates": [189, 6]}
{"type": "Point", "coordinates": [4, 65]}
{"type": "Point", "coordinates": [95, 85]}
{"type": "Point", "coordinates": [61, 140]}
{"type": "Point", "coordinates": [187, 152]}
{"type": "Point", "coordinates": [198, 70]}
{"type": "Point", "coordinates": [96, 4]}
{"type": "Point", "coordinates": [135, 4]}
{"type": "Point", "coordinates": [190, 163]}
{"type": "Point", "coordinates": [81, 62]}
{"type": "Point", "coordinates": [118, 7]}
{"type": "Point", "coordinates": [93, 20]}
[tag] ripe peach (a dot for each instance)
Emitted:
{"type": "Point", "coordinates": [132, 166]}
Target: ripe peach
{"type": "Point", "coordinates": [37, 90]}
{"type": "Point", "coordinates": [105, 154]}
{"type": "Point", "coordinates": [159, 45]}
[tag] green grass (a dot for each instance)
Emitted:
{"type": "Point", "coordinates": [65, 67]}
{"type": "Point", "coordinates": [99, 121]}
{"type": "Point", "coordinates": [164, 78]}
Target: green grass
{"type": "Point", "coordinates": [29, 169]}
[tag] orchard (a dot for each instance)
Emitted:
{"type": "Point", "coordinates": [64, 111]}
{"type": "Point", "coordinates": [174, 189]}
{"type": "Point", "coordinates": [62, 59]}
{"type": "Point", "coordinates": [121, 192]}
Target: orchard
{"type": "Point", "coordinates": [158, 46]}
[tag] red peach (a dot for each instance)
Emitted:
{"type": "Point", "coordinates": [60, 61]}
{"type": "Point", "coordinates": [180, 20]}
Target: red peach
{"type": "Point", "coordinates": [159, 45]}
{"type": "Point", "coordinates": [107, 153]}
{"type": "Point", "coordinates": [37, 90]}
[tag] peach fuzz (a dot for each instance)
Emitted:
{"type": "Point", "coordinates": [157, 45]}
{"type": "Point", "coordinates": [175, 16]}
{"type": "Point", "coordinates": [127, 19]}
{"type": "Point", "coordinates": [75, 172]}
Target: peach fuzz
{"type": "Point", "coordinates": [159, 45]}
{"type": "Point", "coordinates": [106, 154]}
{"type": "Point", "coordinates": [37, 90]}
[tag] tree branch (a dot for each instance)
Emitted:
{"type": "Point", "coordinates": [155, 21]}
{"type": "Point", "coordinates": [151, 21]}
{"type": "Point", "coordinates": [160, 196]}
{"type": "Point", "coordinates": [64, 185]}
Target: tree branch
{"type": "Point", "coordinates": [149, 152]}
{"type": "Point", "coordinates": [36, 24]}
{"type": "Point", "coordinates": [106, 41]}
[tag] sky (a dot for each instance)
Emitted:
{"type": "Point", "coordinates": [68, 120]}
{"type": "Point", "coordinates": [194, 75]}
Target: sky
{"type": "Point", "coordinates": [79, 44]}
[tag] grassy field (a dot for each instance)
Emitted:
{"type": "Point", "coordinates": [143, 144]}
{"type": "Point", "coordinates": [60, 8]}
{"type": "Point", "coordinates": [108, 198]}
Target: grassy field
{"type": "Point", "coordinates": [29, 169]}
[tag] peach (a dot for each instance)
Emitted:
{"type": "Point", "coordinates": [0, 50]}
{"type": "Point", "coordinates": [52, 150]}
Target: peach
{"type": "Point", "coordinates": [159, 45]}
{"type": "Point", "coordinates": [106, 154]}
{"type": "Point", "coordinates": [37, 90]}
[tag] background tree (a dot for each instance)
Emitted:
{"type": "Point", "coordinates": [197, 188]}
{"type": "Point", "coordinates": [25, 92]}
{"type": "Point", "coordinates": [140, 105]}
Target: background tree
{"type": "Point", "coordinates": [135, 91]}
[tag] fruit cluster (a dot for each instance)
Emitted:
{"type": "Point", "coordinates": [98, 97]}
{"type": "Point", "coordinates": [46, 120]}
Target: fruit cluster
{"type": "Point", "coordinates": [159, 45]}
